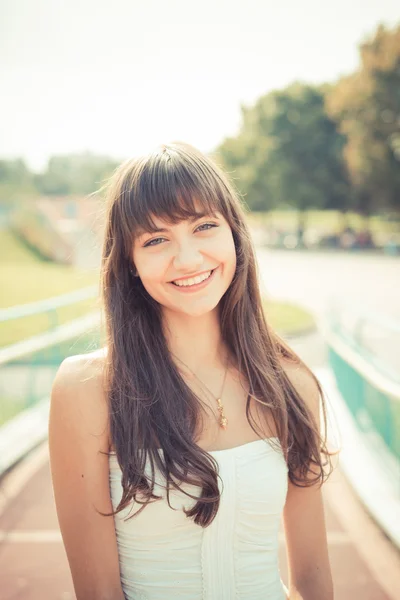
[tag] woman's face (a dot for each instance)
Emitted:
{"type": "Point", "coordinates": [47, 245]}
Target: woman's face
{"type": "Point", "coordinates": [187, 267]}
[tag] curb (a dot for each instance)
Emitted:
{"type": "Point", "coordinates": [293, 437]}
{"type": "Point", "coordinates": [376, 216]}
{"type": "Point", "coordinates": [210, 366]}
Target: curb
{"type": "Point", "coordinates": [372, 476]}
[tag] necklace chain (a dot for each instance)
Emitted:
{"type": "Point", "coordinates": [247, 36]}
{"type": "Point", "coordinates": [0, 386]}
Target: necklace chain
{"type": "Point", "coordinates": [223, 421]}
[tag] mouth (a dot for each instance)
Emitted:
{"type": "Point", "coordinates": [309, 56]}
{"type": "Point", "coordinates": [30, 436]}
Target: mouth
{"type": "Point", "coordinates": [193, 284]}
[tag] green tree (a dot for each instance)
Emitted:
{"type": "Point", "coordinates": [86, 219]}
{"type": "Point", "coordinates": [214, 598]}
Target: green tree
{"type": "Point", "coordinates": [307, 152]}
{"type": "Point", "coordinates": [367, 106]}
{"type": "Point", "coordinates": [247, 156]}
{"type": "Point", "coordinates": [289, 153]}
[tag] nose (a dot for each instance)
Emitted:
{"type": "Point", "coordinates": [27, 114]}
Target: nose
{"type": "Point", "coordinates": [187, 258]}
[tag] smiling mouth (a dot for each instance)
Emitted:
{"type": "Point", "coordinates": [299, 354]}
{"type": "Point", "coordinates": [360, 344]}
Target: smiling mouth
{"type": "Point", "coordinates": [193, 280]}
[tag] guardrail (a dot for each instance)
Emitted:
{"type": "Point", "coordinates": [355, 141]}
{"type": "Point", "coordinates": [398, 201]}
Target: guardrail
{"type": "Point", "coordinates": [368, 382]}
{"type": "Point", "coordinates": [49, 305]}
{"type": "Point", "coordinates": [27, 370]}
{"type": "Point", "coordinates": [365, 403]}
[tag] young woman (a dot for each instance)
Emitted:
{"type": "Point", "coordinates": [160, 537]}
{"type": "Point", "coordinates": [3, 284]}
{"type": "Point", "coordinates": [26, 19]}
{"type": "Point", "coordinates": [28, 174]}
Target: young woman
{"type": "Point", "coordinates": [177, 448]}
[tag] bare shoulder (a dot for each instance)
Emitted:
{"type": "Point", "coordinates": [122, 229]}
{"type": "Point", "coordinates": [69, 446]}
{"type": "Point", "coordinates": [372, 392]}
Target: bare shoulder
{"type": "Point", "coordinates": [81, 370]}
{"type": "Point", "coordinates": [81, 367]}
{"type": "Point", "coordinates": [78, 391]}
{"type": "Point", "coordinates": [78, 447]}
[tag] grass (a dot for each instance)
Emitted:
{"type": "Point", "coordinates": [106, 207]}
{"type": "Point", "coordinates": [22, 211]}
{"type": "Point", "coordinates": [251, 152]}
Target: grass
{"type": "Point", "coordinates": [25, 277]}
{"type": "Point", "coordinates": [21, 284]}
{"type": "Point", "coordinates": [288, 319]}
{"type": "Point", "coordinates": [11, 407]}
{"type": "Point", "coordinates": [14, 250]}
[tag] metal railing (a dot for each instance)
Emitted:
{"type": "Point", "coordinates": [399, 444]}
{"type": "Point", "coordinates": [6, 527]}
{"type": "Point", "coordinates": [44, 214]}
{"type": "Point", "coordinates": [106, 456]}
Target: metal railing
{"type": "Point", "coordinates": [365, 394]}
{"type": "Point", "coordinates": [28, 367]}
{"type": "Point", "coordinates": [364, 354]}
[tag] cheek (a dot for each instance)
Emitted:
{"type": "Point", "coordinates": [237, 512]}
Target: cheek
{"type": "Point", "coordinates": [152, 275]}
{"type": "Point", "coordinates": [152, 272]}
{"type": "Point", "coordinates": [228, 254]}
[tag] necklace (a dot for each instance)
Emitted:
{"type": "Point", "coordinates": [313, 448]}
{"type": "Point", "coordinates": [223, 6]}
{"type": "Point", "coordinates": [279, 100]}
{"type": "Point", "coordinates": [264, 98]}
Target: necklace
{"type": "Point", "coordinates": [223, 421]}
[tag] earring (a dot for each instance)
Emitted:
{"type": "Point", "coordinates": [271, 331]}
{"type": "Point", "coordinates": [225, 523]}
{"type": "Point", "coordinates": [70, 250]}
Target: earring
{"type": "Point", "coordinates": [133, 272]}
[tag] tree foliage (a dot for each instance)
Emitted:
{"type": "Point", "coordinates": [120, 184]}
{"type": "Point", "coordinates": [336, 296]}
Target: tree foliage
{"type": "Point", "coordinates": [289, 152]}
{"type": "Point", "coordinates": [334, 146]}
{"type": "Point", "coordinates": [366, 105]}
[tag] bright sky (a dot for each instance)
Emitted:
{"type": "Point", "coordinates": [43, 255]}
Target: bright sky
{"type": "Point", "coordinates": [119, 77]}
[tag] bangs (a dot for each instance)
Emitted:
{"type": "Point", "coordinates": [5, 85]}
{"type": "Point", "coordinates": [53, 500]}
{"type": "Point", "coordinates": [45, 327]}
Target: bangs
{"type": "Point", "coordinates": [173, 188]}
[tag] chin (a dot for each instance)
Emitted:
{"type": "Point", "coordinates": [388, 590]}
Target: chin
{"type": "Point", "coordinates": [193, 310]}
{"type": "Point", "coordinates": [198, 313]}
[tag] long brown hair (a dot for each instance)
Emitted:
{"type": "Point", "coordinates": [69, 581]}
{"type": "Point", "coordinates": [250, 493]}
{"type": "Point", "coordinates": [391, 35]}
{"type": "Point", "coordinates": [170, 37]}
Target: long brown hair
{"type": "Point", "coordinates": [150, 405]}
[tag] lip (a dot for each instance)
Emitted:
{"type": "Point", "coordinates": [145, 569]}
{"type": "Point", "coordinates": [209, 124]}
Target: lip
{"type": "Point", "coordinates": [190, 276]}
{"type": "Point", "coordinates": [196, 286]}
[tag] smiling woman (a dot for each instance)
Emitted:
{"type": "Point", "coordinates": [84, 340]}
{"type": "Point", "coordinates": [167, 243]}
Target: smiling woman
{"type": "Point", "coordinates": [177, 449]}
{"type": "Point", "coordinates": [194, 255]}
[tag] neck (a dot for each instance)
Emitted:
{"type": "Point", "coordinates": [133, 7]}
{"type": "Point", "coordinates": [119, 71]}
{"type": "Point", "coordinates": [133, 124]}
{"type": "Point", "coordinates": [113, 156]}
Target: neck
{"type": "Point", "coordinates": [196, 341]}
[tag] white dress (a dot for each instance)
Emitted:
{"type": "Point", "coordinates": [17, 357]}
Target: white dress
{"type": "Point", "coordinates": [164, 555]}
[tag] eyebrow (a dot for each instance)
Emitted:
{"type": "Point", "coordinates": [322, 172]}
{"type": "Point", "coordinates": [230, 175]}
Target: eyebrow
{"type": "Point", "coordinates": [191, 219]}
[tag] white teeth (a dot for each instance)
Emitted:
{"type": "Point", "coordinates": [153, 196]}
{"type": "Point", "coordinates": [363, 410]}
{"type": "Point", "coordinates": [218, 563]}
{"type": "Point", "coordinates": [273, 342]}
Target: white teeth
{"type": "Point", "coordinates": [192, 280]}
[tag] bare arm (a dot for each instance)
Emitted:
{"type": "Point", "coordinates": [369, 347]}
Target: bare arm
{"type": "Point", "coordinates": [304, 521]}
{"type": "Point", "coordinates": [78, 430]}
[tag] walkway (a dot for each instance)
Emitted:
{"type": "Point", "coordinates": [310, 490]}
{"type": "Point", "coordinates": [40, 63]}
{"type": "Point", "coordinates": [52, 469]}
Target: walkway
{"type": "Point", "coordinates": [34, 566]}
{"type": "Point", "coordinates": [33, 563]}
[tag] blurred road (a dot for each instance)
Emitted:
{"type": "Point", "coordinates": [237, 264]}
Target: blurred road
{"type": "Point", "coordinates": [371, 282]}
{"type": "Point", "coordinates": [360, 282]}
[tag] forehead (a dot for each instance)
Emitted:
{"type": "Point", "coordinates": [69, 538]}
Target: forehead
{"type": "Point", "coordinates": [167, 190]}
{"type": "Point", "coordinates": [151, 212]}
{"type": "Point", "coordinates": [162, 223]}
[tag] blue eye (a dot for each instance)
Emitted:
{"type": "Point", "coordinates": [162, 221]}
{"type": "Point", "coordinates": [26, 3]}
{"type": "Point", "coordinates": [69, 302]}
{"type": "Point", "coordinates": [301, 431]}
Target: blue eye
{"type": "Point", "coordinates": [151, 242]}
{"type": "Point", "coordinates": [209, 225]}
{"type": "Point", "coordinates": [156, 241]}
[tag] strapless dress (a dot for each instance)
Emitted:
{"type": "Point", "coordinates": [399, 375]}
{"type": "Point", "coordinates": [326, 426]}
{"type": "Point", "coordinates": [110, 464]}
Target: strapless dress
{"type": "Point", "coordinates": [164, 555]}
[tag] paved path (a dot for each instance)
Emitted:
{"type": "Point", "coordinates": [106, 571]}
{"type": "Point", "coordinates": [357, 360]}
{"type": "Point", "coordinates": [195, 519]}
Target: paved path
{"type": "Point", "coordinates": [358, 281]}
{"type": "Point", "coordinates": [368, 282]}
{"type": "Point", "coordinates": [33, 563]}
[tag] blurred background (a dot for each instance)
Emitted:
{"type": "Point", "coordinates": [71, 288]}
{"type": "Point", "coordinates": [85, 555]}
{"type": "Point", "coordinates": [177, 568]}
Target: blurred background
{"type": "Point", "coordinates": [299, 102]}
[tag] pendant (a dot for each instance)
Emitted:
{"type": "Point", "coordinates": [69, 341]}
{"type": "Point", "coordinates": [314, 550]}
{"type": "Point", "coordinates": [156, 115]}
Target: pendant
{"type": "Point", "coordinates": [223, 421]}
